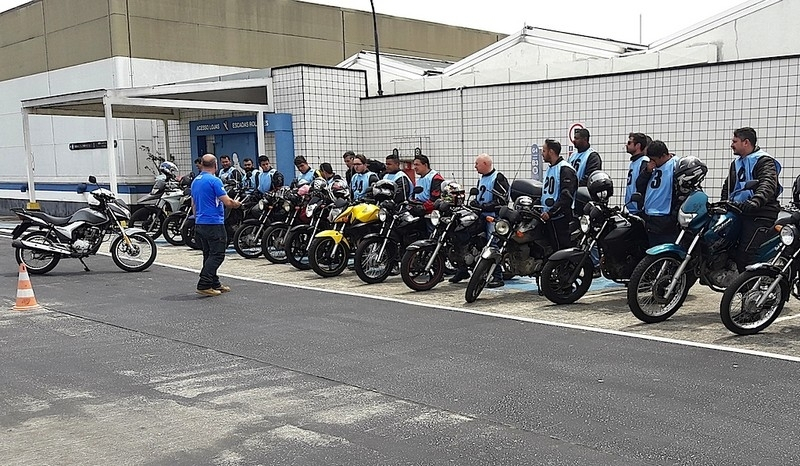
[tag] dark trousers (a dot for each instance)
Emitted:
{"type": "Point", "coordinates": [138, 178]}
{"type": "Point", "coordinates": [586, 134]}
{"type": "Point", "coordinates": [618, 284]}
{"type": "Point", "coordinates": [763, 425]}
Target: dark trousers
{"type": "Point", "coordinates": [213, 241]}
{"type": "Point", "coordinates": [558, 233]}
{"type": "Point", "coordinates": [755, 230]}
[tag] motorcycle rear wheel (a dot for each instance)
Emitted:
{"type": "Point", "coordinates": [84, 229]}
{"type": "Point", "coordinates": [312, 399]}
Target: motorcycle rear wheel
{"type": "Point", "coordinates": [554, 281]}
{"type": "Point", "coordinates": [648, 285]}
{"type": "Point", "coordinates": [368, 267]}
{"type": "Point", "coordinates": [738, 309]}
{"type": "Point", "coordinates": [149, 219]}
{"type": "Point", "coordinates": [327, 258]}
{"type": "Point", "coordinates": [171, 229]}
{"type": "Point", "coordinates": [246, 242]}
{"type": "Point", "coordinates": [478, 280]}
{"type": "Point", "coordinates": [295, 247]}
{"type": "Point", "coordinates": [37, 262]}
{"type": "Point", "coordinates": [187, 233]}
{"type": "Point", "coordinates": [137, 256]}
{"type": "Point", "coordinates": [412, 269]}
{"type": "Point", "coordinates": [272, 244]}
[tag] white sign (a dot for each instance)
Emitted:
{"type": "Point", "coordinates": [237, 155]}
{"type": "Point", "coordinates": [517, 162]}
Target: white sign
{"type": "Point", "coordinates": [536, 163]}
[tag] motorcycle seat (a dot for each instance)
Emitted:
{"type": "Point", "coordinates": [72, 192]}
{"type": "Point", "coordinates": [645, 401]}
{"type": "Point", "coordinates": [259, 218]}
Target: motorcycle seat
{"type": "Point", "coordinates": [57, 221]}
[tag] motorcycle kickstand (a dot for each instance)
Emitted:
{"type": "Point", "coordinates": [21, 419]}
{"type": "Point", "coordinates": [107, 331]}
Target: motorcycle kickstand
{"type": "Point", "coordinates": [539, 285]}
{"type": "Point", "coordinates": [85, 267]}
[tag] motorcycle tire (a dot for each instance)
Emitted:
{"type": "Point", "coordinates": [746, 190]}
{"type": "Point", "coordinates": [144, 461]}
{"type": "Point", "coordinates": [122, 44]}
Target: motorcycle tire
{"type": "Point", "coordinates": [477, 282]}
{"type": "Point", "coordinates": [187, 233]}
{"type": "Point", "coordinates": [555, 276]}
{"type": "Point", "coordinates": [646, 289]}
{"type": "Point", "coordinates": [296, 248]}
{"type": "Point", "coordinates": [738, 306]}
{"type": "Point", "coordinates": [368, 267]}
{"type": "Point", "coordinates": [412, 265]}
{"type": "Point", "coordinates": [272, 244]}
{"type": "Point", "coordinates": [508, 269]}
{"type": "Point", "coordinates": [136, 256]}
{"type": "Point", "coordinates": [149, 219]}
{"type": "Point", "coordinates": [37, 262]}
{"type": "Point", "coordinates": [171, 229]}
{"type": "Point", "coordinates": [246, 242]}
{"type": "Point", "coordinates": [327, 258]}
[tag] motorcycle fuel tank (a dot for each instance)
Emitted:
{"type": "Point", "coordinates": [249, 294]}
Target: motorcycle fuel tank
{"type": "Point", "coordinates": [88, 215]}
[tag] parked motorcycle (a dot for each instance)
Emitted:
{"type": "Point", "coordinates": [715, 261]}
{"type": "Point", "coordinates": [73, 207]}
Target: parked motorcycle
{"type": "Point", "coordinates": [81, 234]}
{"type": "Point", "coordinates": [273, 206]}
{"type": "Point", "coordinates": [299, 237]}
{"type": "Point", "coordinates": [165, 197]}
{"type": "Point", "coordinates": [620, 238]}
{"type": "Point", "coordinates": [233, 217]}
{"type": "Point", "coordinates": [274, 237]}
{"type": "Point", "coordinates": [755, 298]}
{"type": "Point", "coordinates": [173, 224]}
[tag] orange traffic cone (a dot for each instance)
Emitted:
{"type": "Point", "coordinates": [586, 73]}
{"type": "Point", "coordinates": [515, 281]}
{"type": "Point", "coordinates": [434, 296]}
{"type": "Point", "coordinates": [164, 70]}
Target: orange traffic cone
{"type": "Point", "coordinates": [25, 298]}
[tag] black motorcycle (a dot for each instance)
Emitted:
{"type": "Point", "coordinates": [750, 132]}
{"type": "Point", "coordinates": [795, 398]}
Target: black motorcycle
{"type": "Point", "coordinates": [299, 237]}
{"type": "Point", "coordinates": [173, 224]}
{"type": "Point", "coordinates": [163, 200]}
{"type": "Point", "coordinates": [274, 237]}
{"type": "Point", "coordinates": [233, 217]}
{"type": "Point", "coordinates": [81, 234]}
{"type": "Point", "coordinates": [272, 207]}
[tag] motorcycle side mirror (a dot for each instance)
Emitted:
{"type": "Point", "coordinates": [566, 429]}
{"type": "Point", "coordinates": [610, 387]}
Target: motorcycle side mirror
{"type": "Point", "coordinates": [636, 198]}
{"type": "Point", "coordinates": [473, 191]}
{"type": "Point", "coordinates": [92, 179]}
{"type": "Point", "coordinates": [82, 188]}
{"type": "Point", "coordinates": [418, 190]}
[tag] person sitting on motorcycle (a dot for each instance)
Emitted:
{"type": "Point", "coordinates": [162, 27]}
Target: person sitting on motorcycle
{"type": "Point", "coordinates": [362, 178]}
{"type": "Point", "coordinates": [269, 179]}
{"type": "Point", "coordinates": [637, 143]}
{"type": "Point", "coordinates": [558, 194]}
{"type": "Point", "coordinates": [404, 185]}
{"type": "Point", "coordinates": [584, 160]}
{"type": "Point", "coordinates": [251, 174]}
{"type": "Point", "coordinates": [430, 181]}
{"type": "Point", "coordinates": [306, 173]}
{"type": "Point", "coordinates": [228, 172]}
{"type": "Point", "coordinates": [327, 174]}
{"type": "Point", "coordinates": [759, 205]}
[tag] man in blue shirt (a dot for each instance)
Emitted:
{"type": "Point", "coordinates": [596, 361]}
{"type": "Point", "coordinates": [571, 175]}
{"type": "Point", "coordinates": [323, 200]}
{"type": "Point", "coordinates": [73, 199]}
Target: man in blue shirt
{"type": "Point", "coordinates": [209, 200]}
{"type": "Point", "coordinates": [269, 179]}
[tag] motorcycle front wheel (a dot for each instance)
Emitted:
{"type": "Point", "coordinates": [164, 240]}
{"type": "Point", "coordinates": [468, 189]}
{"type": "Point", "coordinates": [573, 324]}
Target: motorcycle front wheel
{"type": "Point", "coordinates": [136, 256]}
{"type": "Point", "coordinates": [149, 219]}
{"type": "Point", "coordinates": [246, 242]}
{"type": "Point", "coordinates": [272, 244]}
{"type": "Point", "coordinates": [478, 280]}
{"type": "Point", "coordinates": [327, 258]}
{"type": "Point", "coordinates": [412, 269]}
{"type": "Point", "coordinates": [648, 286]}
{"type": "Point", "coordinates": [37, 262]}
{"type": "Point", "coordinates": [739, 308]}
{"type": "Point", "coordinates": [296, 249]}
{"type": "Point", "coordinates": [171, 229]}
{"type": "Point", "coordinates": [369, 268]}
{"type": "Point", "coordinates": [187, 233]}
{"type": "Point", "coordinates": [556, 285]}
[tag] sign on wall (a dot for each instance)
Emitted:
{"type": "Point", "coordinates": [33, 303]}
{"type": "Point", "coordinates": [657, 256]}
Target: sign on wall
{"type": "Point", "coordinates": [536, 162]}
{"type": "Point", "coordinates": [90, 145]}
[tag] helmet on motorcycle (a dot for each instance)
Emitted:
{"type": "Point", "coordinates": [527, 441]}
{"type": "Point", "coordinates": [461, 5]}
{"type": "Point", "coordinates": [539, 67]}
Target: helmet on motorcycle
{"type": "Point", "coordinates": [689, 173]}
{"type": "Point", "coordinates": [303, 190]}
{"type": "Point", "coordinates": [452, 191]}
{"type": "Point", "coordinates": [340, 189]}
{"type": "Point", "coordinates": [600, 186]}
{"type": "Point", "coordinates": [523, 203]}
{"type": "Point", "coordinates": [796, 191]}
{"type": "Point", "coordinates": [169, 169]}
{"type": "Point", "coordinates": [383, 190]}
{"type": "Point", "coordinates": [318, 184]}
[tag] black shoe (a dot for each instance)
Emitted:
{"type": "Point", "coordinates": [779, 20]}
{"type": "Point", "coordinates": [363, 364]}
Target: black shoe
{"type": "Point", "coordinates": [460, 275]}
{"type": "Point", "coordinates": [495, 283]}
{"type": "Point", "coordinates": [597, 273]}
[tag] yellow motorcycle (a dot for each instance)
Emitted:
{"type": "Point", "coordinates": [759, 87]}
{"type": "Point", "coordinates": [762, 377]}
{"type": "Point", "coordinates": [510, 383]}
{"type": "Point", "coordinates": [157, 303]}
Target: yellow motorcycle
{"type": "Point", "coordinates": [331, 250]}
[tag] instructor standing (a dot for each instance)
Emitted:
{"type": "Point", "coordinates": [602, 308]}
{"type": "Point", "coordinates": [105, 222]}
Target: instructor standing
{"type": "Point", "coordinates": [208, 204]}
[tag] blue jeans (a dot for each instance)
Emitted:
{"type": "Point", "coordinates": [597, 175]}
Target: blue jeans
{"type": "Point", "coordinates": [213, 241]}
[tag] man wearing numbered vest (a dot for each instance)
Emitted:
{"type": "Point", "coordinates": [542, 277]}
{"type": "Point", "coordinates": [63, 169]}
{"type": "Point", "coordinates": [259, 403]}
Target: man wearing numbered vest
{"type": "Point", "coordinates": [637, 142]}
{"type": "Point", "coordinates": [362, 177]}
{"type": "Point", "coordinates": [657, 185]}
{"type": "Point", "coordinates": [558, 194]}
{"type": "Point", "coordinates": [759, 205]}
{"type": "Point", "coordinates": [403, 184]}
{"type": "Point", "coordinates": [584, 160]}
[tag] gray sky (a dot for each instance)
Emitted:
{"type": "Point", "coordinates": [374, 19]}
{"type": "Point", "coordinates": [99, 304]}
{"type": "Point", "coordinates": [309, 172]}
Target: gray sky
{"type": "Point", "coordinates": [615, 19]}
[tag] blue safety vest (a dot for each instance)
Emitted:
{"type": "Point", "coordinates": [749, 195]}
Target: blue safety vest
{"type": "Point", "coordinates": [578, 162]}
{"type": "Point", "coordinates": [265, 180]}
{"type": "Point", "coordinates": [658, 199]}
{"type": "Point", "coordinates": [359, 184]}
{"type": "Point", "coordinates": [250, 180]}
{"type": "Point", "coordinates": [485, 186]}
{"type": "Point", "coordinates": [744, 172]}
{"type": "Point", "coordinates": [308, 176]}
{"type": "Point", "coordinates": [634, 170]}
{"type": "Point", "coordinates": [400, 174]}
{"type": "Point", "coordinates": [425, 182]}
{"type": "Point", "coordinates": [551, 188]}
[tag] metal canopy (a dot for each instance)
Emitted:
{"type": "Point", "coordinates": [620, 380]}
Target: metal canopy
{"type": "Point", "coordinates": [162, 102]}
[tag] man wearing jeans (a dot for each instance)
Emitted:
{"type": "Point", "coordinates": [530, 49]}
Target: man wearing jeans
{"type": "Point", "coordinates": [208, 204]}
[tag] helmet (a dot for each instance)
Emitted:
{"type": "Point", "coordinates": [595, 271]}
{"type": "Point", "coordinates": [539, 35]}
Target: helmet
{"type": "Point", "coordinates": [340, 189]}
{"type": "Point", "coordinates": [303, 190]}
{"type": "Point", "coordinates": [689, 173]}
{"type": "Point", "coordinates": [383, 190]}
{"type": "Point", "coordinates": [169, 169]}
{"type": "Point", "coordinates": [600, 186]}
{"type": "Point", "coordinates": [523, 203]}
{"type": "Point", "coordinates": [452, 191]}
{"type": "Point", "coordinates": [318, 184]}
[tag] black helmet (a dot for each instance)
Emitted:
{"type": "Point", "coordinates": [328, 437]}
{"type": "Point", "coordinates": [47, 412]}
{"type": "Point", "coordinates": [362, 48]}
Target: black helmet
{"type": "Point", "coordinates": [383, 190]}
{"type": "Point", "coordinates": [689, 173]}
{"type": "Point", "coordinates": [600, 186]}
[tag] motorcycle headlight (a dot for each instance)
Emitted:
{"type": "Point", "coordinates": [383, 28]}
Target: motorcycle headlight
{"type": "Point", "coordinates": [435, 216]}
{"type": "Point", "coordinates": [333, 214]}
{"type": "Point", "coordinates": [310, 209]}
{"type": "Point", "coordinates": [287, 206]}
{"type": "Point", "coordinates": [584, 223]}
{"type": "Point", "coordinates": [262, 205]}
{"type": "Point", "coordinates": [383, 215]}
{"type": "Point", "coordinates": [788, 234]}
{"type": "Point", "coordinates": [684, 219]}
{"type": "Point", "coordinates": [502, 228]}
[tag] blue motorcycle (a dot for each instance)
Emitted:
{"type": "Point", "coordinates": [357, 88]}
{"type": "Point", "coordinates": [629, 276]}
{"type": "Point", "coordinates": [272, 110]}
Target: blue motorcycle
{"type": "Point", "coordinates": [660, 283]}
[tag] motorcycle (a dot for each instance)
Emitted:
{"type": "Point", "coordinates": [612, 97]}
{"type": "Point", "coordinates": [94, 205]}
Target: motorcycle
{"type": "Point", "coordinates": [660, 282]}
{"type": "Point", "coordinates": [173, 224]}
{"type": "Point", "coordinates": [299, 237]}
{"type": "Point", "coordinates": [81, 234]}
{"type": "Point", "coordinates": [755, 298]}
{"type": "Point", "coordinates": [233, 217]}
{"type": "Point", "coordinates": [274, 237]}
{"type": "Point", "coordinates": [166, 197]}
{"type": "Point", "coordinates": [272, 207]}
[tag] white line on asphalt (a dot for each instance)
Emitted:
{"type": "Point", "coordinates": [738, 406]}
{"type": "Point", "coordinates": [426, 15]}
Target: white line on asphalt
{"type": "Point", "coordinates": [781, 319]}
{"type": "Point", "coordinates": [509, 317]}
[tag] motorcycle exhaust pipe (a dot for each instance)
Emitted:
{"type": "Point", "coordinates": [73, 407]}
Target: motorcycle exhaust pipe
{"type": "Point", "coordinates": [21, 243]}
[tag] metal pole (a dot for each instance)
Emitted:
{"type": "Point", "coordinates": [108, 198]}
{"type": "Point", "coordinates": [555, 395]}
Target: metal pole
{"type": "Point", "coordinates": [26, 140]}
{"type": "Point", "coordinates": [111, 135]}
{"type": "Point", "coordinates": [260, 139]}
{"type": "Point", "coordinates": [377, 48]}
{"type": "Point", "coordinates": [167, 150]}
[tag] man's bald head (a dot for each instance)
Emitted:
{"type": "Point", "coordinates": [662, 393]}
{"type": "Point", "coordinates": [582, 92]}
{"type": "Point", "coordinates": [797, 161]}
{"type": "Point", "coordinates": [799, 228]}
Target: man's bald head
{"type": "Point", "coordinates": [209, 163]}
{"type": "Point", "coordinates": [483, 164]}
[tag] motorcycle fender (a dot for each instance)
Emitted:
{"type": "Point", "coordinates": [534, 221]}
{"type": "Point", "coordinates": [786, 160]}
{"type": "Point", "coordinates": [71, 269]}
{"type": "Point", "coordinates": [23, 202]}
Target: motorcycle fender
{"type": "Point", "coordinates": [130, 231]}
{"type": "Point", "coordinates": [763, 266]}
{"type": "Point", "coordinates": [492, 254]}
{"type": "Point", "coordinates": [251, 221]}
{"type": "Point", "coordinates": [372, 235]}
{"type": "Point", "coordinates": [337, 237]}
{"type": "Point", "coordinates": [422, 244]}
{"type": "Point", "coordinates": [20, 229]}
{"type": "Point", "coordinates": [301, 227]}
{"type": "Point", "coordinates": [571, 254]}
{"type": "Point", "coordinates": [667, 248]}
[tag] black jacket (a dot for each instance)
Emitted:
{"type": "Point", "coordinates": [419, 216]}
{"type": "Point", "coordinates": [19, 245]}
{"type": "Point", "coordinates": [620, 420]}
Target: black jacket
{"type": "Point", "coordinates": [593, 163]}
{"type": "Point", "coordinates": [765, 195]}
{"type": "Point", "coordinates": [569, 186]}
{"type": "Point", "coordinates": [500, 186]}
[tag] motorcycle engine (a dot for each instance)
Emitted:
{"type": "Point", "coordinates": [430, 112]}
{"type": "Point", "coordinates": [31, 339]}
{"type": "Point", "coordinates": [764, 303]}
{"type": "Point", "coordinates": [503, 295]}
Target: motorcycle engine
{"type": "Point", "coordinates": [721, 272]}
{"type": "Point", "coordinates": [524, 264]}
{"type": "Point", "coordinates": [86, 239]}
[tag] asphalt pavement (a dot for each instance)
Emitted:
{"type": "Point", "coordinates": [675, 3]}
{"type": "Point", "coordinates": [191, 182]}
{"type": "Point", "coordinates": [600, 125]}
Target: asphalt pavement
{"type": "Point", "coordinates": [123, 368]}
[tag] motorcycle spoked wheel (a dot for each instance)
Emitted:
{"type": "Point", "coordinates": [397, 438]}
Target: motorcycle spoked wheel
{"type": "Point", "coordinates": [327, 258]}
{"type": "Point", "coordinates": [648, 285]}
{"type": "Point", "coordinates": [412, 269]}
{"type": "Point", "coordinates": [478, 280]}
{"type": "Point", "coordinates": [368, 267]}
{"type": "Point", "coordinates": [555, 283]}
{"type": "Point", "coordinates": [171, 229]}
{"type": "Point", "coordinates": [738, 308]}
{"type": "Point", "coordinates": [37, 262]}
{"type": "Point", "coordinates": [149, 219]}
{"type": "Point", "coordinates": [272, 244]}
{"type": "Point", "coordinates": [508, 266]}
{"type": "Point", "coordinates": [187, 233]}
{"type": "Point", "coordinates": [247, 241]}
{"type": "Point", "coordinates": [136, 256]}
{"type": "Point", "coordinates": [295, 248]}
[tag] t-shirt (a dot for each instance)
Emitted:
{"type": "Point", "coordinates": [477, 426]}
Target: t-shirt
{"type": "Point", "coordinates": [206, 191]}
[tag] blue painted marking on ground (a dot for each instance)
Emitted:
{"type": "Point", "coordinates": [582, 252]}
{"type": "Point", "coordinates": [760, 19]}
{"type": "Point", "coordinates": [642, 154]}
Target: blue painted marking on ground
{"type": "Point", "coordinates": [529, 284]}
